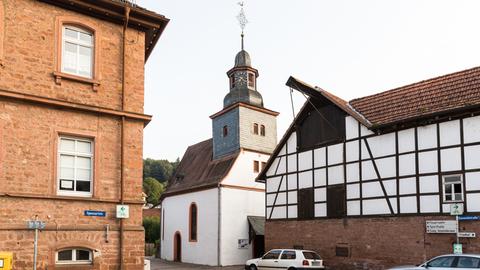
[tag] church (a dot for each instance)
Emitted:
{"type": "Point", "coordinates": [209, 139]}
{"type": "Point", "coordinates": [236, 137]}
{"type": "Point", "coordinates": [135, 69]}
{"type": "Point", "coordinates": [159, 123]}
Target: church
{"type": "Point", "coordinates": [213, 210]}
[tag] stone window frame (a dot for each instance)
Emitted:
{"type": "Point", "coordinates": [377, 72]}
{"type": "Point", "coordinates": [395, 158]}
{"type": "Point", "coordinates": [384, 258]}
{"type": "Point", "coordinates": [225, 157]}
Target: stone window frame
{"type": "Point", "coordinates": [190, 223]}
{"type": "Point", "coordinates": [87, 25]}
{"type": "Point", "coordinates": [74, 261]}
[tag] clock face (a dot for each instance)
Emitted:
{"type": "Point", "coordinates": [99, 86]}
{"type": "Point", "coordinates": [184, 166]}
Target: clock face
{"type": "Point", "coordinates": [241, 78]}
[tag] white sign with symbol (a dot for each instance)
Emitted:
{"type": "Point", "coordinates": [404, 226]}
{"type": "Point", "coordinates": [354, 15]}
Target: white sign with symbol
{"type": "Point", "coordinates": [456, 209]}
{"type": "Point", "coordinates": [457, 249]}
{"type": "Point", "coordinates": [441, 226]}
{"type": "Point", "coordinates": [123, 211]}
{"type": "Point", "coordinates": [466, 234]}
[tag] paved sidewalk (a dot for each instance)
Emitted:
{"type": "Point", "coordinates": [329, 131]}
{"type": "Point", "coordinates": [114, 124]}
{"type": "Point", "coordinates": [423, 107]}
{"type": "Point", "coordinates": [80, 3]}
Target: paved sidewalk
{"type": "Point", "coordinates": [157, 264]}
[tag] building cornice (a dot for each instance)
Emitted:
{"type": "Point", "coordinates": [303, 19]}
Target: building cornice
{"type": "Point", "coordinates": [241, 104]}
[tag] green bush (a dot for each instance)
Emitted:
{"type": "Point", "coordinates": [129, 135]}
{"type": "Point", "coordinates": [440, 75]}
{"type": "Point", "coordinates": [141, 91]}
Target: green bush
{"type": "Point", "coordinates": [152, 229]}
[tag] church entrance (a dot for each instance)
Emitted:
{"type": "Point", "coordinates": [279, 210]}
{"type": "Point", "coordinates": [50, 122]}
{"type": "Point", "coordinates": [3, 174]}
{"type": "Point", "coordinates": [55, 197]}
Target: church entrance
{"type": "Point", "coordinates": [177, 247]}
{"type": "Point", "coordinates": [258, 246]}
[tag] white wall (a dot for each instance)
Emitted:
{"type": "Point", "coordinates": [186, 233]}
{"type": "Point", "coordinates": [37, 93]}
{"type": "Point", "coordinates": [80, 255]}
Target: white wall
{"type": "Point", "coordinates": [176, 209]}
{"type": "Point", "coordinates": [242, 174]}
{"type": "Point", "coordinates": [236, 205]}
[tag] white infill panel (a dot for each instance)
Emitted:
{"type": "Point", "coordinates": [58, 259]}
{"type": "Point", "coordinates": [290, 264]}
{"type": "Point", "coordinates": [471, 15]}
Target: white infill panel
{"type": "Point", "coordinates": [320, 194]}
{"type": "Point", "coordinates": [320, 177]}
{"type": "Point", "coordinates": [390, 187]}
{"type": "Point", "coordinates": [283, 151]}
{"type": "Point", "coordinates": [283, 184]}
{"type": "Point", "coordinates": [273, 167]}
{"type": "Point", "coordinates": [375, 207]}
{"type": "Point", "coordinates": [292, 181]}
{"type": "Point", "coordinates": [292, 197]}
{"type": "Point", "coordinates": [335, 175]}
{"type": "Point", "coordinates": [351, 127]}
{"type": "Point", "coordinates": [279, 212]}
{"type": "Point", "coordinates": [471, 129]}
{"type": "Point", "coordinates": [292, 143]}
{"type": "Point", "coordinates": [281, 198]}
{"type": "Point", "coordinates": [408, 186]}
{"type": "Point", "coordinates": [269, 211]}
{"type": "Point", "coordinates": [408, 205]}
{"type": "Point", "coordinates": [292, 163]}
{"type": "Point", "coordinates": [320, 157]}
{"type": "Point", "coordinates": [352, 149]}
{"type": "Point", "coordinates": [335, 154]}
{"type": "Point", "coordinates": [368, 171]}
{"type": "Point", "coordinates": [320, 210]}
{"type": "Point", "coordinates": [406, 164]}
{"type": "Point", "coordinates": [472, 154]}
{"type": "Point", "coordinates": [353, 172]}
{"type": "Point", "coordinates": [305, 180]}
{"type": "Point", "coordinates": [282, 167]}
{"type": "Point", "coordinates": [446, 207]}
{"type": "Point", "coordinates": [365, 154]}
{"type": "Point", "coordinates": [450, 133]}
{"type": "Point", "coordinates": [292, 211]}
{"type": "Point", "coordinates": [427, 162]}
{"type": "Point", "coordinates": [472, 181]}
{"type": "Point", "coordinates": [406, 140]}
{"type": "Point", "coordinates": [353, 191]}
{"type": "Point", "coordinates": [387, 167]}
{"type": "Point", "coordinates": [365, 131]}
{"type": "Point", "coordinates": [473, 202]}
{"type": "Point", "coordinates": [272, 183]}
{"type": "Point", "coordinates": [372, 189]}
{"type": "Point", "coordinates": [451, 159]}
{"type": "Point", "coordinates": [270, 199]}
{"type": "Point", "coordinates": [393, 203]}
{"type": "Point", "coordinates": [427, 137]}
{"type": "Point", "coordinates": [429, 204]}
{"type": "Point", "coordinates": [429, 184]}
{"type": "Point", "coordinates": [382, 145]}
{"type": "Point", "coordinates": [305, 161]}
{"type": "Point", "coordinates": [353, 208]}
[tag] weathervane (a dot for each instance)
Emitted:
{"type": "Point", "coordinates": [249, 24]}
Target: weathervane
{"type": "Point", "coordinates": [242, 19]}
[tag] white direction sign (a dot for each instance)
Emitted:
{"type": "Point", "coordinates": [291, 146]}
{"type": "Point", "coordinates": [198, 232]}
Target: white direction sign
{"type": "Point", "coordinates": [441, 226]}
{"type": "Point", "coordinates": [466, 234]}
{"type": "Point", "coordinates": [456, 209]}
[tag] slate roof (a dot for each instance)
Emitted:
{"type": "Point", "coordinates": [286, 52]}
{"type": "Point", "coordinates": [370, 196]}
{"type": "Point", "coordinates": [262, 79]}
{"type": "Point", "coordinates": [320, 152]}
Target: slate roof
{"type": "Point", "coordinates": [197, 170]}
{"type": "Point", "coordinates": [441, 94]}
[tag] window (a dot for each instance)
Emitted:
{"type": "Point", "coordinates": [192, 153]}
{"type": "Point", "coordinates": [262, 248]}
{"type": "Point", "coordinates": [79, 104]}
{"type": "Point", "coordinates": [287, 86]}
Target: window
{"type": "Point", "coordinates": [232, 81]}
{"type": "Point", "coordinates": [310, 255]}
{"type": "Point", "coordinates": [468, 262]}
{"type": "Point", "coordinates": [305, 207]}
{"type": "Point", "coordinates": [336, 205]}
{"type": "Point", "coordinates": [452, 188]}
{"type": "Point", "coordinates": [255, 128]}
{"type": "Point", "coordinates": [262, 130]}
{"type": "Point", "coordinates": [272, 255]}
{"type": "Point", "coordinates": [193, 222]}
{"type": "Point", "coordinates": [251, 80]}
{"type": "Point", "coordinates": [441, 262]}
{"type": "Point", "coordinates": [288, 255]}
{"type": "Point", "coordinates": [77, 51]}
{"type": "Point", "coordinates": [75, 166]}
{"type": "Point", "coordinates": [256, 166]}
{"type": "Point", "coordinates": [264, 164]}
{"type": "Point", "coordinates": [225, 131]}
{"type": "Point", "coordinates": [74, 256]}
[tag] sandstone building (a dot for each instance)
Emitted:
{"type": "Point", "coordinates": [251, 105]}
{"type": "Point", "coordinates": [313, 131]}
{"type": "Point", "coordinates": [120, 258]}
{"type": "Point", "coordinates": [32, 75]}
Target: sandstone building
{"type": "Point", "coordinates": [71, 130]}
{"type": "Point", "coordinates": [358, 181]}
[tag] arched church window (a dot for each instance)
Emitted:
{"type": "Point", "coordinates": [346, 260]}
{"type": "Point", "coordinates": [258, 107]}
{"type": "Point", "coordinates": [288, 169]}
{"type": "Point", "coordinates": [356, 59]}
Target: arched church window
{"type": "Point", "coordinates": [255, 128]}
{"type": "Point", "coordinates": [225, 131]}
{"type": "Point", "coordinates": [262, 130]}
{"type": "Point", "coordinates": [193, 218]}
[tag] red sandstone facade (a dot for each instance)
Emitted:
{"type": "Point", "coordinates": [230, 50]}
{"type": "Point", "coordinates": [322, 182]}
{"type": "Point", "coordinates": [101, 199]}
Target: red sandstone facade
{"type": "Point", "coordinates": [40, 104]}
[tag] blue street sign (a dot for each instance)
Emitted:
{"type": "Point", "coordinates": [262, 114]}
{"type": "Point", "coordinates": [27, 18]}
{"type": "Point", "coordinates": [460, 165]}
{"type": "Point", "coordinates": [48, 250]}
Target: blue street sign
{"type": "Point", "coordinates": [463, 218]}
{"type": "Point", "coordinates": [93, 213]}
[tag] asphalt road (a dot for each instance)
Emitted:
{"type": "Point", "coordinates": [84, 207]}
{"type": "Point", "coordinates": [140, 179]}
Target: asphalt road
{"type": "Point", "coordinates": [157, 264]}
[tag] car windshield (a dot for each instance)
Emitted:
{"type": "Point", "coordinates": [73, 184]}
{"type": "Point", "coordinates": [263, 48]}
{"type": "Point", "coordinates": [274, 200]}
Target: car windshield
{"type": "Point", "coordinates": [310, 255]}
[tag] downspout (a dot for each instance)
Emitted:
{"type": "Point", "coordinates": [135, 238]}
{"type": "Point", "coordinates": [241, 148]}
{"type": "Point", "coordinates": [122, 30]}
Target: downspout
{"type": "Point", "coordinates": [122, 153]}
{"type": "Point", "coordinates": [219, 222]}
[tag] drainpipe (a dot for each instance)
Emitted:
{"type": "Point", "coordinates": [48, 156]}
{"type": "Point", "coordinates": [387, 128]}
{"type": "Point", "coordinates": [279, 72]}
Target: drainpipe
{"type": "Point", "coordinates": [122, 153]}
{"type": "Point", "coordinates": [219, 222]}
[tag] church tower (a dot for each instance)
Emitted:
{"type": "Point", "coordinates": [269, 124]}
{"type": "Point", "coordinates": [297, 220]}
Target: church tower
{"type": "Point", "coordinates": [243, 123]}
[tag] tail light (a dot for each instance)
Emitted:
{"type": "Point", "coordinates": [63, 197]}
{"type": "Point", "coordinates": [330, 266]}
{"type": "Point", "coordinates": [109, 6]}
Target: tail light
{"type": "Point", "coordinates": [305, 262]}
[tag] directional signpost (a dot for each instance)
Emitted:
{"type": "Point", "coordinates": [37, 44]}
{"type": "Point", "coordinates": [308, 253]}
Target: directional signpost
{"type": "Point", "coordinates": [466, 234]}
{"type": "Point", "coordinates": [456, 209]}
{"type": "Point", "coordinates": [35, 225]}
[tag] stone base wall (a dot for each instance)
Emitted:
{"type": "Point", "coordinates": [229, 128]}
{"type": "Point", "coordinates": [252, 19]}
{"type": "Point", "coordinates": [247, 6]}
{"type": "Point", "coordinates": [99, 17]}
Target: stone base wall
{"type": "Point", "coordinates": [373, 243]}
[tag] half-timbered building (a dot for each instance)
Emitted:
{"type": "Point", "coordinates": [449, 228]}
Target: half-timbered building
{"type": "Point", "coordinates": [357, 181]}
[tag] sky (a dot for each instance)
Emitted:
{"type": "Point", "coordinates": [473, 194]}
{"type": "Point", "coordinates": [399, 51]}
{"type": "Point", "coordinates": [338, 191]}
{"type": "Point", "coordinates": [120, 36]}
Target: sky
{"type": "Point", "coordinates": [351, 48]}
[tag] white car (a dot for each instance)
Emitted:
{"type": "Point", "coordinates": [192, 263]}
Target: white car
{"type": "Point", "coordinates": [447, 262]}
{"type": "Point", "coordinates": [289, 259]}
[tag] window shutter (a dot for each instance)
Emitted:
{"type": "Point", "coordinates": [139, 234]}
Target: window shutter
{"type": "Point", "coordinates": [305, 204]}
{"type": "Point", "coordinates": [336, 205]}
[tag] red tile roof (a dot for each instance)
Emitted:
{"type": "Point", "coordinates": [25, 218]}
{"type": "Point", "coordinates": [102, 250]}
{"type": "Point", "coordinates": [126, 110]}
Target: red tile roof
{"type": "Point", "coordinates": [454, 91]}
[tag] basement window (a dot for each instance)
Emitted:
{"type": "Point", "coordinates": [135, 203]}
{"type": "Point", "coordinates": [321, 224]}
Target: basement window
{"type": "Point", "coordinates": [452, 188]}
{"type": "Point", "coordinates": [74, 256]}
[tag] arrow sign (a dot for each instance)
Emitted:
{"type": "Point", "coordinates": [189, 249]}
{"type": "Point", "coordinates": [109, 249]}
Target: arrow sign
{"type": "Point", "coordinates": [456, 209]}
{"type": "Point", "coordinates": [466, 234]}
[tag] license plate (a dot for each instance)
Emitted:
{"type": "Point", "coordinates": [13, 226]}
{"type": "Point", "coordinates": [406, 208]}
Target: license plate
{"type": "Point", "coordinates": [315, 263]}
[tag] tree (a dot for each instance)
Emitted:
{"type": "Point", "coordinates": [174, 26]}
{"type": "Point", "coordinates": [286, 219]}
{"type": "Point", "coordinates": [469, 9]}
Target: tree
{"type": "Point", "coordinates": [161, 170]}
{"type": "Point", "coordinates": [153, 189]}
{"type": "Point", "coordinates": [152, 229]}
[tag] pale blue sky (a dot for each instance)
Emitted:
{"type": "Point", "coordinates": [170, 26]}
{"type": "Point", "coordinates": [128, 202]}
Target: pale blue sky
{"type": "Point", "coordinates": [352, 48]}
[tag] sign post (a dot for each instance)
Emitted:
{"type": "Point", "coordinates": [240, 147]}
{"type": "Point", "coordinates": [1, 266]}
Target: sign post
{"type": "Point", "coordinates": [35, 225]}
{"type": "Point", "coordinates": [456, 209]}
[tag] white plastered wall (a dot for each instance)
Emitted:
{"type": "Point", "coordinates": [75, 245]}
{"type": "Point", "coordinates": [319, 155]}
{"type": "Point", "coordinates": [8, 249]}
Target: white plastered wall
{"type": "Point", "coordinates": [242, 174]}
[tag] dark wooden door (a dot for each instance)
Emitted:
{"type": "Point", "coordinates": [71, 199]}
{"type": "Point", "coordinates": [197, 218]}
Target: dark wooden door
{"type": "Point", "coordinates": [177, 247]}
{"type": "Point", "coordinates": [305, 204]}
{"type": "Point", "coordinates": [336, 201]}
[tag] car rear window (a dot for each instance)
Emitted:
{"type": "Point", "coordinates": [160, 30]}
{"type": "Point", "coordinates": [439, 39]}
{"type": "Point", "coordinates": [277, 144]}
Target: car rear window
{"type": "Point", "coordinates": [288, 255]}
{"type": "Point", "coordinates": [310, 255]}
{"type": "Point", "coordinates": [468, 262]}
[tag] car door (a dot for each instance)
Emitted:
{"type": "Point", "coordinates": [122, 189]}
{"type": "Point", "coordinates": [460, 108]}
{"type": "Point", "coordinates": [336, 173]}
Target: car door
{"type": "Point", "coordinates": [442, 263]}
{"type": "Point", "coordinates": [287, 259]}
{"type": "Point", "coordinates": [269, 260]}
{"type": "Point", "coordinates": [467, 263]}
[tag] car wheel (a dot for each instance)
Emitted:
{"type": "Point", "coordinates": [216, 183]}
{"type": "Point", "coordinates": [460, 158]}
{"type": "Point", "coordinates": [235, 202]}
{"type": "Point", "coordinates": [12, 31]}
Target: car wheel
{"type": "Point", "coordinates": [253, 267]}
{"type": "Point", "coordinates": [291, 268]}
